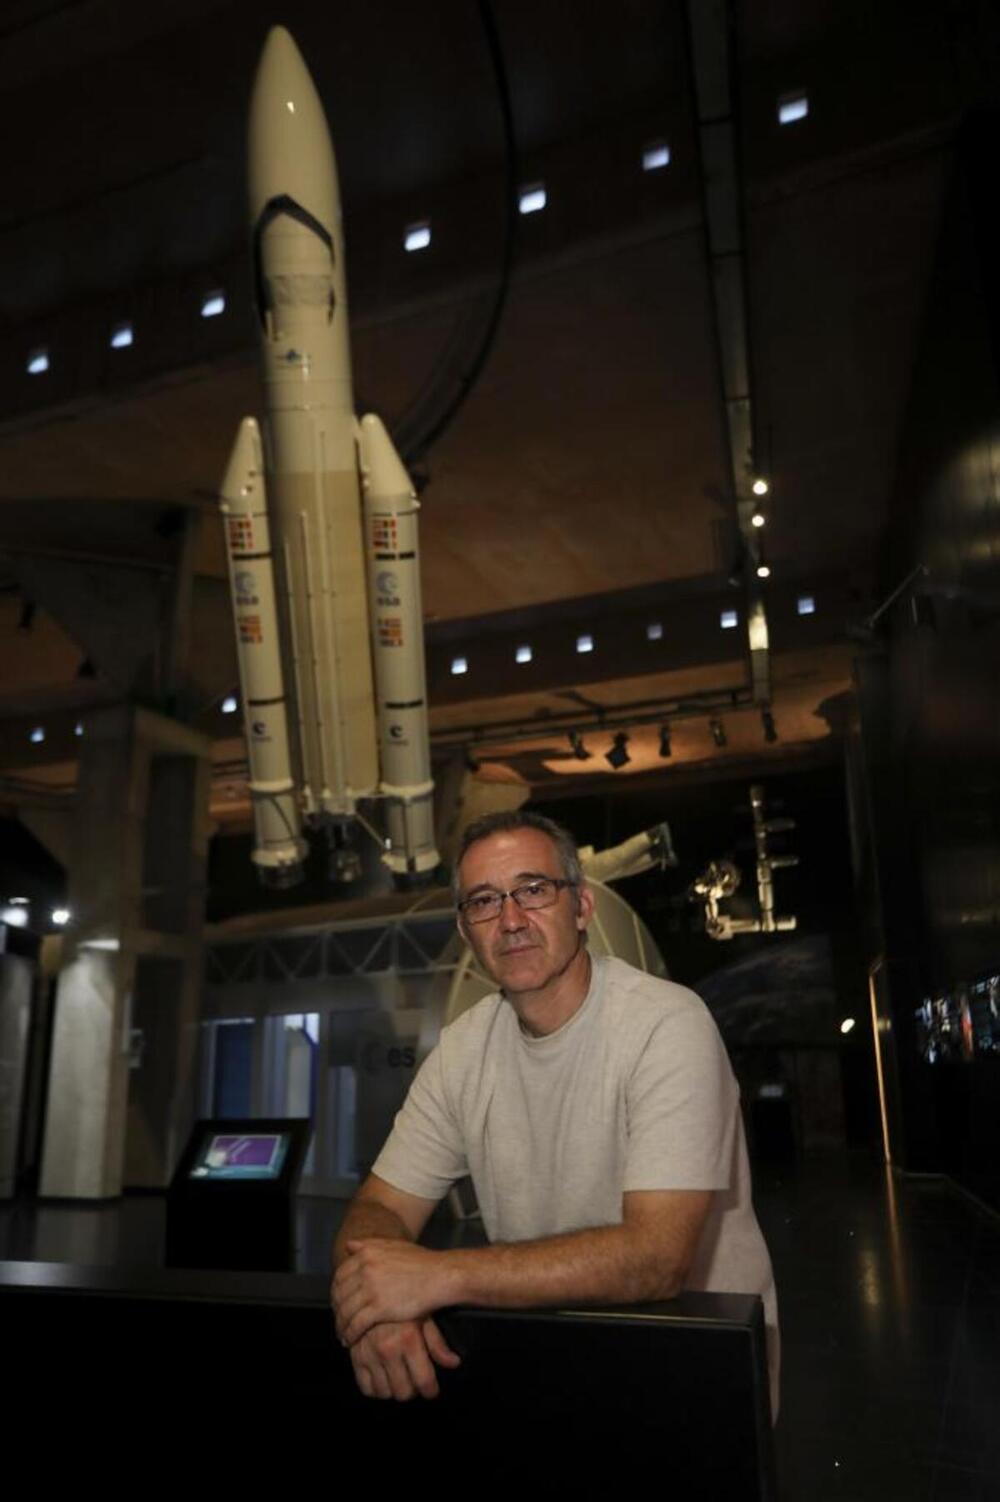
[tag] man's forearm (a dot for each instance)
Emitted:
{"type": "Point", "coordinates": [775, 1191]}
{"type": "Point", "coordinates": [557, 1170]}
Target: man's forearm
{"type": "Point", "coordinates": [366, 1218]}
{"type": "Point", "coordinates": [618, 1264]}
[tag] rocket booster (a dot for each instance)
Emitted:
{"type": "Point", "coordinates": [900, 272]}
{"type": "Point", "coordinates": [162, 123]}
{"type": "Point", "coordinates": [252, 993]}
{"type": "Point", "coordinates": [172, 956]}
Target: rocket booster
{"type": "Point", "coordinates": [279, 847]}
{"type": "Point", "coordinates": [391, 508]}
{"type": "Point", "coordinates": [329, 627]}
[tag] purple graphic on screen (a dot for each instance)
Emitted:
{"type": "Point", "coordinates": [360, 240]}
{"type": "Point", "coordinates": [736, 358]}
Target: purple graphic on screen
{"type": "Point", "coordinates": [242, 1152]}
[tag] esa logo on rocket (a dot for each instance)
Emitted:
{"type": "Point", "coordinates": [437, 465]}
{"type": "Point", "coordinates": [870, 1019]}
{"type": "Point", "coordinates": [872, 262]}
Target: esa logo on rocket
{"type": "Point", "coordinates": [388, 588]}
{"type": "Point", "coordinates": [246, 588]}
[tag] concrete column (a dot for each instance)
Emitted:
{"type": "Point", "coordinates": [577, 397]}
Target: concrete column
{"type": "Point", "coordinates": [16, 975]}
{"type": "Point", "coordinates": [127, 1001]}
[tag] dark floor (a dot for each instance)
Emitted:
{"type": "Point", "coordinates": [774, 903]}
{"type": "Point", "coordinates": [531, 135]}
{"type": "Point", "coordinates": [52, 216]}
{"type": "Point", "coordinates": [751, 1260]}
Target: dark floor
{"type": "Point", "coordinates": [889, 1300]}
{"type": "Point", "coordinates": [889, 1293]}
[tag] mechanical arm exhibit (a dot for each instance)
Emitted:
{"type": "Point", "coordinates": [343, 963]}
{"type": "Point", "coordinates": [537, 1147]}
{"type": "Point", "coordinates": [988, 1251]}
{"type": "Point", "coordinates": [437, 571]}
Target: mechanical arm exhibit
{"type": "Point", "coordinates": [720, 879]}
{"type": "Point", "coordinates": [321, 531]}
{"type": "Point", "coordinates": [653, 847]}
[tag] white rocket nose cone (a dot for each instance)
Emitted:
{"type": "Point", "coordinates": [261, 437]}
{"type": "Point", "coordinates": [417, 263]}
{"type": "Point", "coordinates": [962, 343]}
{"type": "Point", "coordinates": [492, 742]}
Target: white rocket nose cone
{"type": "Point", "coordinates": [383, 467]}
{"type": "Point", "coordinates": [289, 148]}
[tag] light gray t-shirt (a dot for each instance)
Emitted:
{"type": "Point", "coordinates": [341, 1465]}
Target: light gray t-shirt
{"type": "Point", "coordinates": [635, 1091]}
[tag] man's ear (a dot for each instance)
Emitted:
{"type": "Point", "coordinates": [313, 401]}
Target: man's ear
{"type": "Point", "coordinates": [460, 925]}
{"type": "Point", "coordinates": [584, 906]}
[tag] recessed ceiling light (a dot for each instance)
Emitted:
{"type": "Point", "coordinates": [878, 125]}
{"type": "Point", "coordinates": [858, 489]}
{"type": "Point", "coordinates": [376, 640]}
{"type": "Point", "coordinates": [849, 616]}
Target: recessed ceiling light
{"type": "Point", "coordinates": [523, 654]}
{"type": "Point", "coordinates": [459, 665]}
{"type": "Point", "coordinates": [792, 107]}
{"type": "Point", "coordinates": [763, 571]}
{"type": "Point", "coordinates": [121, 336]}
{"type": "Point", "coordinates": [78, 728]}
{"type": "Point", "coordinates": [230, 704]}
{"type": "Point", "coordinates": [806, 605]}
{"type": "Point", "coordinates": [654, 631]}
{"type": "Point", "coordinates": [532, 199]}
{"type": "Point", "coordinates": [37, 735]}
{"type": "Point", "coordinates": [847, 1024]}
{"type": "Point", "coordinates": [417, 236]}
{"type": "Point", "coordinates": [585, 644]}
{"type": "Point", "coordinates": [758, 519]}
{"type": "Point", "coordinates": [60, 916]}
{"type": "Point", "coordinates": [213, 304]}
{"type": "Point", "coordinates": [38, 362]}
{"type": "Point", "coordinates": [655, 156]}
{"type": "Point", "coordinates": [728, 619]}
{"type": "Point", "coordinates": [760, 486]}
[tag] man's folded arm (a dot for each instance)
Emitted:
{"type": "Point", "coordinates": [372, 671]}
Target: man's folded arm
{"type": "Point", "coordinates": [391, 1358]}
{"type": "Point", "coordinates": [644, 1258]}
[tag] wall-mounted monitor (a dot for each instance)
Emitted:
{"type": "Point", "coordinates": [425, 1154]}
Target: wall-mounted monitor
{"type": "Point", "coordinates": [961, 1024]}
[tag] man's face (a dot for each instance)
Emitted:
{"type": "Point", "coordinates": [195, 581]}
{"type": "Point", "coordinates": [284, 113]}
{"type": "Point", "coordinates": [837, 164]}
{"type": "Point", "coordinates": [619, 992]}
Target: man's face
{"type": "Point", "coordinates": [522, 951]}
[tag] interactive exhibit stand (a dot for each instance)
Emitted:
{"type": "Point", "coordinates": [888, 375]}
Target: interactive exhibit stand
{"type": "Point", "coordinates": [231, 1202]}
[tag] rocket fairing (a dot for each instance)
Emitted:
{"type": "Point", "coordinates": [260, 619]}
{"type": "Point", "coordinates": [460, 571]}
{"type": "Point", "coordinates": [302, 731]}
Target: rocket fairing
{"type": "Point", "coordinates": [330, 629]}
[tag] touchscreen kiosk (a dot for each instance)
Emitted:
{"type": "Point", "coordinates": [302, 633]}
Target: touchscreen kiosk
{"type": "Point", "coordinates": [231, 1202]}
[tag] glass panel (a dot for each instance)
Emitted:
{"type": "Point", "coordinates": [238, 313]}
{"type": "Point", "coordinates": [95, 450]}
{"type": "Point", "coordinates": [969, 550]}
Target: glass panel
{"type": "Point", "coordinates": [232, 1075]}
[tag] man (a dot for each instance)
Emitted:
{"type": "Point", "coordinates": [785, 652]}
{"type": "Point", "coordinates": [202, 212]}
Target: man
{"type": "Point", "coordinates": [595, 1109]}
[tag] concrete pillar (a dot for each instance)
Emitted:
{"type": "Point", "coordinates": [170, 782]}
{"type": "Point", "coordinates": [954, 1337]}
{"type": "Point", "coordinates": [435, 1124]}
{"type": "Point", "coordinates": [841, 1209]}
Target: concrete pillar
{"type": "Point", "coordinates": [121, 1083]}
{"type": "Point", "coordinates": [16, 976]}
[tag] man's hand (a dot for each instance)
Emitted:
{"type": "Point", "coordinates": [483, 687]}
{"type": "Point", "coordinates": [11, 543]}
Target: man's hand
{"type": "Point", "coordinates": [396, 1360]}
{"type": "Point", "coordinates": [381, 1281]}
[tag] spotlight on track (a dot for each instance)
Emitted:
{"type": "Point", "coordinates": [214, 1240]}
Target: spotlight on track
{"type": "Point", "coordinates": [579, 749]}
{"type": "Point", "coordinates": [26, 619]}
{"type": "Point", "coordinates": [770, 729]}
{"type": "Point", "coordinates": [760, 486]}
{"type": "Point", "coordinates": [618, 756]}
{"type": "Point", "coordinates": [718, 732]}
{"type": "Point", "coordinates": [666, 749]}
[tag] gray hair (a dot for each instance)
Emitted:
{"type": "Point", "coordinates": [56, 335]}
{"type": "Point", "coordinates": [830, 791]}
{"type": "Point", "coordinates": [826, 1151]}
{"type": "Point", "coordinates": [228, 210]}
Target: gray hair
{"type": "Point", "coordinates": [507, 821]}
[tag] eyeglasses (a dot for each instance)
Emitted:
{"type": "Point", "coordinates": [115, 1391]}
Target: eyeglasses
{"type": "Point", "coordinates": [543, 891]}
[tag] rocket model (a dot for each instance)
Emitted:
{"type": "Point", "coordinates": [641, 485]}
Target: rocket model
{"type": "Point", "coordinates": [323, 557]}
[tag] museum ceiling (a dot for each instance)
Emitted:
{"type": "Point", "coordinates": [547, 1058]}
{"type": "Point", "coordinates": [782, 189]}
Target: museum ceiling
{"type": "Point", "coordinates": [583, 488]}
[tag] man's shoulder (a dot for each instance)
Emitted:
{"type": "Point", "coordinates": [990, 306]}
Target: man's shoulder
{"type": "Point", "coordinates": [646, 1016]}
{"type": "Point", "coordinates": [469, 1031]}
{"type": "Point", "coordinates": [636, 993]}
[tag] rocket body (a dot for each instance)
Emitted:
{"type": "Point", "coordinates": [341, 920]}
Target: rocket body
{"type": "Point", "coordinates": [314, 490]}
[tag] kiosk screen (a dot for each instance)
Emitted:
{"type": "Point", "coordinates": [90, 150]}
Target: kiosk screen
{"type": "Point", "coordinates": [241, 1156]}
